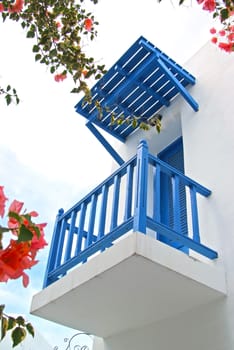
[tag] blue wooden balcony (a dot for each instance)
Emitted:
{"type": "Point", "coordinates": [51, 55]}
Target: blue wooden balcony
{"type": "Point", "coordinates": [129, 200]}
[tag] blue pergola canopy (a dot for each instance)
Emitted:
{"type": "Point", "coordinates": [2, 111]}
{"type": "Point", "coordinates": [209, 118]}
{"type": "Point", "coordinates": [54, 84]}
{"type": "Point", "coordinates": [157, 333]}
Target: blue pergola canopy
{"type": "Point", "coordinates": [139, 84]}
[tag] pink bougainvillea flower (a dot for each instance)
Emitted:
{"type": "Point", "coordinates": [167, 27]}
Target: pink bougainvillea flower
{"type": "Point", "coordinates": [222, 32]}
{"type": "Point", "coordinates": [231, 36]}
{"type": "Point", "coordinates": [209, 5]}
{"type": "Point", "coordinates": [213, 30]}
{"type": "Point", "coordinates": [60, 77]}
{"type": "Point", "coordinates": [214, 40]}
{"type": "Point", "coordinates": [17, 6]}
{"type": "Point", "coordinates": [228, 47]}
{"type": "Point", "coordinates": [33, 213]}
{"type": "Point", "coordinates": [3, 200]}
{"type": "Point", "coordinates": [15, 207]}
{"type": "Point", "coordinates": [88, 23]}
{"type": "Point", "coordinates": [38, 242]}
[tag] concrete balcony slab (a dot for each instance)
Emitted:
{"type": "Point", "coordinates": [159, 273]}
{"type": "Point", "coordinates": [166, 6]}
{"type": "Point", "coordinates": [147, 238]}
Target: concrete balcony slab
{"type": "Point", "coordinates": [137, 281]}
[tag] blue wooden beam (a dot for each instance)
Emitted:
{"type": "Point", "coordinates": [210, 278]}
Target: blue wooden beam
{"type": "Point", "coordinates": [106, 144]}
{"type": "Point", "coordinates": [179, 86]}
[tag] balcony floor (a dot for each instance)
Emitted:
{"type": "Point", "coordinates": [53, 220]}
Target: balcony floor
{"type": "Point", "coordinates": [135, 282]}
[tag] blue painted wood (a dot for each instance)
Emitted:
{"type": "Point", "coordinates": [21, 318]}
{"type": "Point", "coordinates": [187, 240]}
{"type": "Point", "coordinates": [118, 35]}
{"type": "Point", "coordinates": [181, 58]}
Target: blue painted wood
{"type": "Point", "coordinates": [142, 81]}
{"type": "Point", "coordinates": [80, 230]}
{"type": "Point", "coordinates": [85, 254]}
{"type": "Point", "coordinates": [88, 243]}
{"type": "Point", "coordinates": [92, 216]}
{"type": "Point", "coordinates": [180, 87]}
{"type": "Point", "coordinates": [140, 210]}
{"type": "Point", "coordinates": [194, 210]}
{"type": "Point", "coordinates": [157, 194]}
{"type": "Point", "coordinates": [102, 222]}
{"type": "Point", "coordinates": [176, 203]}
{"type": "Point", "coordinates": [71, 232]}
{"type": "Point", "coordinates": [60, 243]}
{"type": "Point", "coordinates": [185, 240]}
{"type": "Point", "coordinates": [53, 248]}
{"type": "Point", "coordinates": [129, 193]}
{"type": "Point", "coordinates": [115, 203]}
{"type": "Point", "coordinates": [106, 144]}
{"type": "Point", "coordinates": [183, 178]}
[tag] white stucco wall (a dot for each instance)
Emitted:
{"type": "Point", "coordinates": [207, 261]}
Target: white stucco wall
{"type": "Point", "coordinates": [208, 152]}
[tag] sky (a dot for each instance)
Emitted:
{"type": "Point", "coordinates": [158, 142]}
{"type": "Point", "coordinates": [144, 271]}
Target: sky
{"type": "Point", "coordinates": [48, 158]}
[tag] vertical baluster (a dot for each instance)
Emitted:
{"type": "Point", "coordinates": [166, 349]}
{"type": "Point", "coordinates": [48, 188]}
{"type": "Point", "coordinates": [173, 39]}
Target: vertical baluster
{"type": "Point", "coordinates": [128, 198]}
{"type": "Point", "coordinates": [115, 205]}
{"type": "Point", "coordinates": [102, 222]}
{"type": "Point", "coordinates": [70, 236]}
{"type": "Point", "coordinates": [194, 210]}
{"type": "Point", "coordinates": [80, 230]}
{"type": "Point", "coordinates": [156, 194]}
{"type": "Point", "coordinates": [61, 242]}
{"type": "Point", "coordinates": [140, 211]}
{"type": "Point", "coordinates": [53, 248]}
{"type": "Point", "coordinates": [89, 239]}
{"type": "Point", "coordinates": [176, 203]}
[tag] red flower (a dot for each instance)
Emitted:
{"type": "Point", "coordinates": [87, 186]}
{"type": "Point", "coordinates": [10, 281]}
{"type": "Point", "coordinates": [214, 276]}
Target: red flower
{"type": "Point", "coordinates": [60, 77]}
{"type": "Point", "coordinates": [88, 23]}
{"type": "Point", "coordinates": [14, 260]}
{"type": "Point", "coordinates": [1, 7]}
{"type": "Point", "coordinates": [15, 207]}
{"type": "Point", "coordinates": [226, 46]}
{"type": "Point", "coordinates": [17, 6]}
{"type": "Point", "coordinates": [209, 5]}
{"type": "Point", "coordinates": [213, 30]}
{"type": "Point", "coordinates": [38, 242]}
{"type": "Point", "coordinates": [222, 32]}
{"type": "Point", "coordinates": [230, 36]}
{"type": "Point", "coordinates": [214, 40]}
{"type": "Point", "coordinates": [3, 199]}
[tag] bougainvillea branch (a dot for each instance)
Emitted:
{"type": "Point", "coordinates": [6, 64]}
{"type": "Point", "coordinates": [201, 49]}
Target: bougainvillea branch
{"type": "Point", "coordinates": [223, 11]}
{"type": "Point", "coordinates": [59, 29]}
{"type": "Point", "coordinates": [26, 239]}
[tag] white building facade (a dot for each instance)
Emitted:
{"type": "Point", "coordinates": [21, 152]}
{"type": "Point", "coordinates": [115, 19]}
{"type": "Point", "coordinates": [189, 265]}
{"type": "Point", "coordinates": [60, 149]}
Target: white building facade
{"type": "Point", "coordinates": [163, 288]}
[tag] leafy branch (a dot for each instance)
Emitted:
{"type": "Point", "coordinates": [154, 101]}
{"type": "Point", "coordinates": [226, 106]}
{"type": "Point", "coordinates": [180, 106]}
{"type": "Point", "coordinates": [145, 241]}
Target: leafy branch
{"type": "Point", "coordinates": [10, 95]}
{"type": "Point", "coordinates": [17, 325]}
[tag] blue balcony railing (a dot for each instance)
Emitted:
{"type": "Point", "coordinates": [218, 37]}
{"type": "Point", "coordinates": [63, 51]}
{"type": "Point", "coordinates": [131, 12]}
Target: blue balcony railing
{"type": "Point", "coordinates": [130, 199]}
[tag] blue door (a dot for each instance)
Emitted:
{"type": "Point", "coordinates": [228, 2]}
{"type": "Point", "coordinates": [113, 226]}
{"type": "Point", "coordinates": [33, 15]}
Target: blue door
{"type": "Point", "coordinates": [174, 156]}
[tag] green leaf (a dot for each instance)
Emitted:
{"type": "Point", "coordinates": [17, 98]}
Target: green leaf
{"type": "Point", "coordinates": [36, 48]}
{"type": "Point", "coordinates": [52, 69]}
{"type": "Point", "coordinates": [4, 326]}
{"type": "Point", "coordinates": [224, 14]}
{"type": "Point", "coordinates": [8, 99]}
{"type": "Point", "coordinates": [20, 320]}
{"type": "Point", "coordinates": [14, 215]}
{"type": "Point", "coordinates": [1, 310]}
{"type": "Point", "coordinates": [18, 335]}
{"type": "Point", "coordinates": [30, 329]}
{"type": "Point", "coordinates": [30, 34]}
{"type": "Point", "coordinates": [37, 230]}
{"type": "Point", "coordinates": [8, 88]}
{"type": "Point", "coordinates": [11, 323]}
{"type": "Point", "coordinates": [37, 57]}
{"type": "Point", "coordinates": [24, 234]}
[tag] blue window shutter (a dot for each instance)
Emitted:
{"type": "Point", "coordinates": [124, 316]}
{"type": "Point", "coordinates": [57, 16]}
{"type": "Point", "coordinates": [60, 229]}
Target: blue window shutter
{"type": "Point", "coordinates": [174, 156]}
